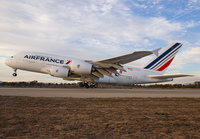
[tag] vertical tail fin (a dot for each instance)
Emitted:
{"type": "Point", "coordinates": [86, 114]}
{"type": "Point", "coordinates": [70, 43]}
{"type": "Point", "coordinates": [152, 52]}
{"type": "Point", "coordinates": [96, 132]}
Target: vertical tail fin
{"type": "Point", "coordinates": [163, 60]}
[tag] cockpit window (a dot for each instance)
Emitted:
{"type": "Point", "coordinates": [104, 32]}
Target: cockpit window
{"type": "Point", "coordinates": [11, 57]}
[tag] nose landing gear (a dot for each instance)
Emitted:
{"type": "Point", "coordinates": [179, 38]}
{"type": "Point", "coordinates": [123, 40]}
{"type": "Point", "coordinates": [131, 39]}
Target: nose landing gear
{"type": "Point", "coordinates": [15, 73]}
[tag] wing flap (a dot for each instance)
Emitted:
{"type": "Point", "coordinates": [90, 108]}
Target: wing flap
{"type": "Point", "coordinates": [104, 72]}
{"type": "Point", "coordinates": [98, 74]}
{"type": "Point", "coordinates": [105, 65]}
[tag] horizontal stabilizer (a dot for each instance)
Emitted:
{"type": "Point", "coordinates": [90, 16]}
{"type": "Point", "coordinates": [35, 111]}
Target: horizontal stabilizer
{"type": "Point", "coordinates": [168, 76]}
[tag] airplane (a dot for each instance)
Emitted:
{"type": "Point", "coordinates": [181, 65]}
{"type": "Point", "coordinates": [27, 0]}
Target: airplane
{"type": "Point", "coordinates": [111, 70]}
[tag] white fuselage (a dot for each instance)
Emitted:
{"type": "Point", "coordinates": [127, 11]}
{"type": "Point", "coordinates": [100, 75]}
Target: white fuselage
{"type": "Point", "coordinates": [42, 63]}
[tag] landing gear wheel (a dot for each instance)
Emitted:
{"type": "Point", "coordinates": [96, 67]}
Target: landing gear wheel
{"type": "Point", "coordinates": [91, 86]}
{"type": "Point", "coordinates": [81, 85]}
{"type": "Point", "coordinates": [87, 86]}
{"type": "Point", "coordinates": [14, 74]}
{"type": "Point", "coordinates": [96, 85]}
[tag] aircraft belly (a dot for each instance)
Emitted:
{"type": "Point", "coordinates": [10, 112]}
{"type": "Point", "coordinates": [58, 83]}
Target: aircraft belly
{"type": "Point", "coordinates": [106, 79]}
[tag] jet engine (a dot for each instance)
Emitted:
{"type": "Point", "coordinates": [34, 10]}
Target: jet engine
{"type": "Point", "coordinates": [58, 71]}
{"type": "Point", "coordinates": [80, 67]}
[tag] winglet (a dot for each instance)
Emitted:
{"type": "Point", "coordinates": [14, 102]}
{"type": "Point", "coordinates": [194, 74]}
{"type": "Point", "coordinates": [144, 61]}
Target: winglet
{"type": "Point", "coordinates": [155, 52]}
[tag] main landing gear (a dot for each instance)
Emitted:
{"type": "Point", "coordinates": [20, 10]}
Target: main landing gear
{"type": "Point", "coordinates": [15, 73]}
{"type": "Point", "coordinates": [88, 85]}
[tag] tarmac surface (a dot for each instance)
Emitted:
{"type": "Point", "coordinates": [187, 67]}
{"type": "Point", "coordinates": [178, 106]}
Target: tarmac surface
{"type": "Point", "coordinates": [99, 92]}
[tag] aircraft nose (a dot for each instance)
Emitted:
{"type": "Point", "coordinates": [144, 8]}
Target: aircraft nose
{"type": "Point", "coordinates": [7, 61]}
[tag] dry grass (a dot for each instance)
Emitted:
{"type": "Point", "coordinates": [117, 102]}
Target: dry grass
{"type": "Point", "coordinates": [26, 117]}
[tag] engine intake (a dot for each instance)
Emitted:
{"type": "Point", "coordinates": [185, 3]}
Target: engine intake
{"type": "Point", "coordinates": [58, 71]}
{"type": "Point", "coordinates": [80, 67]}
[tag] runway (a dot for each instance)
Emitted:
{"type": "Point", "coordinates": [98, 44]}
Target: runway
{"type": "Point", "coordinates": [99, 93]}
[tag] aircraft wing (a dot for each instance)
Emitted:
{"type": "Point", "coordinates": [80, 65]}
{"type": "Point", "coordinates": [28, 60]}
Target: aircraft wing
{"type": "Point", "coordinates": [123, 59]}
{"type": "Point", "coordinates": [168, 76]}
{"type": "Point", "coordinates": [109, 65]}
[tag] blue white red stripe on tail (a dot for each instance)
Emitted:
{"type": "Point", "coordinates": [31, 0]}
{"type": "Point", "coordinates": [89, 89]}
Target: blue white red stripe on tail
{"type": "Point", "coordinates": [164, 59]}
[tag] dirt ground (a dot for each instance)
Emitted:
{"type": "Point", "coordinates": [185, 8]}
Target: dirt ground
{"type": "Point", "coordinates": [26, 117]}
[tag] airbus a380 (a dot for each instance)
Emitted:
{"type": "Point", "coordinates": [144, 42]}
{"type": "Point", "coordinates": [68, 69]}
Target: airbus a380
{"type": "Point", "coordinates": [111, 70]}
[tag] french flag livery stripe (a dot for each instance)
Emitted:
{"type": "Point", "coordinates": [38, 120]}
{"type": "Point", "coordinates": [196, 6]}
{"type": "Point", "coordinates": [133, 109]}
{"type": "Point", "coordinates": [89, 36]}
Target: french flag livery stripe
{"type": "Point", "coordinates": [172, 54]}
{"type": "Point", "coordinates": [165, 59]}
{"type": "Point", "coordinates": [165, 65]}
{"type": "Point", "coordinates": [68, 62]}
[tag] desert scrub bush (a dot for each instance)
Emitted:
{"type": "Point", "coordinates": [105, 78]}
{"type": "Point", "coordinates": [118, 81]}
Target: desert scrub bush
{"type": "Point", "coordinates": [176, 124]}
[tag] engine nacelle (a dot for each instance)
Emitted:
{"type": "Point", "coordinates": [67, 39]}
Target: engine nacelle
{"type": "Point", "coordinates": [58, 71]}
{"type": "Point", "coordinates": [80, 67]}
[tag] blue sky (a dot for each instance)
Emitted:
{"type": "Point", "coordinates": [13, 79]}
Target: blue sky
{"type": "Point", "coordinates": [99, 29]}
